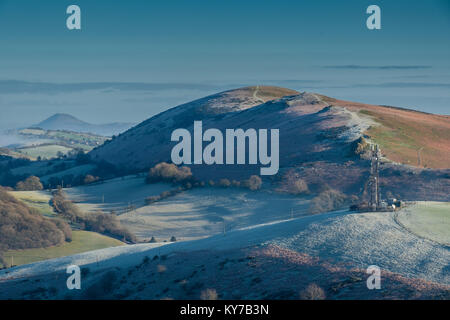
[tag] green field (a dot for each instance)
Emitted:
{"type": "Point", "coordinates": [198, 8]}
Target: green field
{"type": "Point", "coordinates": [82, 241]}
{"type": "Point", "coordinates": [36, 199]}
{"type": "Point", "coordinates": [44, 151]}
{"type": "Point", "coordinates": [430, 220]}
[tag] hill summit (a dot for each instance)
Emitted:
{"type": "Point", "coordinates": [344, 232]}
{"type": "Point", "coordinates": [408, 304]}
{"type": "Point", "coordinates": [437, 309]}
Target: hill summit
{"type": "Point", "coordinates": [312, 127]}
{"type": "Point", "coordinates": [324, 141]}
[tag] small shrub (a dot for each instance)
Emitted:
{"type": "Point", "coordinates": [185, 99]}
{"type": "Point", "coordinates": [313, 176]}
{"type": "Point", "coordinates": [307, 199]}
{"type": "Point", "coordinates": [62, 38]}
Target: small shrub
{"type": "Point", "coordinates": [209, 294]}
{"type": "Point", "coordinates": [161, 268]}
{"type": "Point", "coordinates": [22, 227]}
{"type": "Point", "coordinates": [313, 292]}
{"type": "Point", "coordinates": [235, 183]}
{"type": "Point", "coordinates": [152, 199]}
{"type": "Point", "coordinates": [253, 183]}
{"type": "Point", "coordinates": [31, 183]}
{"type": "Point", "coordinates": [293, 184]}
{"type": "Point", "coordinates": [224, 183]}
{"type": "Point", "coordinates": [169, 172]}
{"type": "Point", "coordinates": [100, 222]}
{"type": "Point", "coordinates": [329, 200]}
{"type": "Point", "coordinates": [90, 179]}
{"type": "Point", "coordinates": [361, 148]}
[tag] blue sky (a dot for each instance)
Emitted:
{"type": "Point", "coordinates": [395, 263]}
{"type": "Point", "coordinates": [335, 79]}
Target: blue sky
{"type": "Point", "coordinates": [204, 46]}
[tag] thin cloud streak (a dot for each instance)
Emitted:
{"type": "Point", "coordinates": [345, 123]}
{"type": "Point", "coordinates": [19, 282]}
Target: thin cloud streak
{"type": "Point", "coordinates": [390, 67]}
{"type": "Point", "coordinates": [18, 86]}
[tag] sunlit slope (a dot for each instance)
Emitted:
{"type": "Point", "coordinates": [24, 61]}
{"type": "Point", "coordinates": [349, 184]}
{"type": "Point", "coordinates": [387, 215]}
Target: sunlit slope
{"type": "Point", "coordinates": [82, 241]}
{"type": "Point", "coordinates": [406, 136]}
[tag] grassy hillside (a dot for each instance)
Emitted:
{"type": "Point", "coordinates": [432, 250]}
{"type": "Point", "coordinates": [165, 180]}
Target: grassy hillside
{"type": "Point", "coordinates": [82, 241]}
{"type": "Point", "coordinates": [430, 220]}
{"type": "Point", "coordinates": [117, 195]}
{"type": "Point", "coordinates": [147, 143]}
{"type": "Point", "coordinates": [46, 151]}
{"type": "Point", "coordinates": [36, 199]}
{"type": "Point", "coordinates": [48, 143]}
{"type": "Point", "coordinates": [406, 136]}
{"type": "Point", "coordinates": [23, 227]}
{"type": "Point", "coordinates": [207, 211]}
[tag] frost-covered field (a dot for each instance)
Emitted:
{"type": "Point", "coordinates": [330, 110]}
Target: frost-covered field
{"type": "Point", "coordinates": [207, 211]}
{"type": "Point", "coordinates": [430, 220]}
{"type": "Point", "coordinates": [116, 194]}
{"type": "Point", "coordinates": [359, 239]}
{"type": "Point", "coordinates": [372, 238]}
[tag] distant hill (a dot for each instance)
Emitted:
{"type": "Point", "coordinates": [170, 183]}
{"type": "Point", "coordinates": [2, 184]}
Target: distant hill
{"type": "Point", "coordinates": [63, 121]}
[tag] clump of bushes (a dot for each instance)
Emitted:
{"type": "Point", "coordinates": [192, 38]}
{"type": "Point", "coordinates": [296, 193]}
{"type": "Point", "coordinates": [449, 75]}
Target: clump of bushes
{"type": "Point", "coordinates": [101, 222]}
{"type": "Point", "coordinates": [64, 227]}
{"type": "Point", "coordinates": [66, 208]}
{"type": "Point", "coordinates": [313, 292]}
{"type": "Point", "coordinates": [166, 194]}
{"type": "Point", "coordinates": [22, 227]}
{"type": "Point", "coordinates": [235, 183]}
{"type": "Point", "coordinates": [361, 148]}
{"type": "Point", "coordinates": [328, 200]}
{"type": "Point", "coordinates": [224, 183]}
{"type": "Point", "coordinates": [168, 172]}
{"type": "Point", "coordinates": [152, 199]}
{"type": "Point", "coordinates": [31, 183]}
{"type": "Point", "coordinates": [209, 294]}
{"type": "Point", "coordinates": [253, 183]}
{"type": "Point", "coordinates": [90, 179]}
{"type": "Point", "coordinates": [108, 224]}
{"type": "Point", "coordinates": [293, 184]}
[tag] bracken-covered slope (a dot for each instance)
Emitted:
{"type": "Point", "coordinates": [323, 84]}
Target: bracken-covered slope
{"type": "Point", "coordinates": [406, 136]}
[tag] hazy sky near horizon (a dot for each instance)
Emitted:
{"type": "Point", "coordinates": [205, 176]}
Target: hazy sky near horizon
{"type": "Point", "coordinates": [133, 59]}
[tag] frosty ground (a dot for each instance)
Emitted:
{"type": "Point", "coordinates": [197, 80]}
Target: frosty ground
{"type": "Point", "coordinates": [341, 239]}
